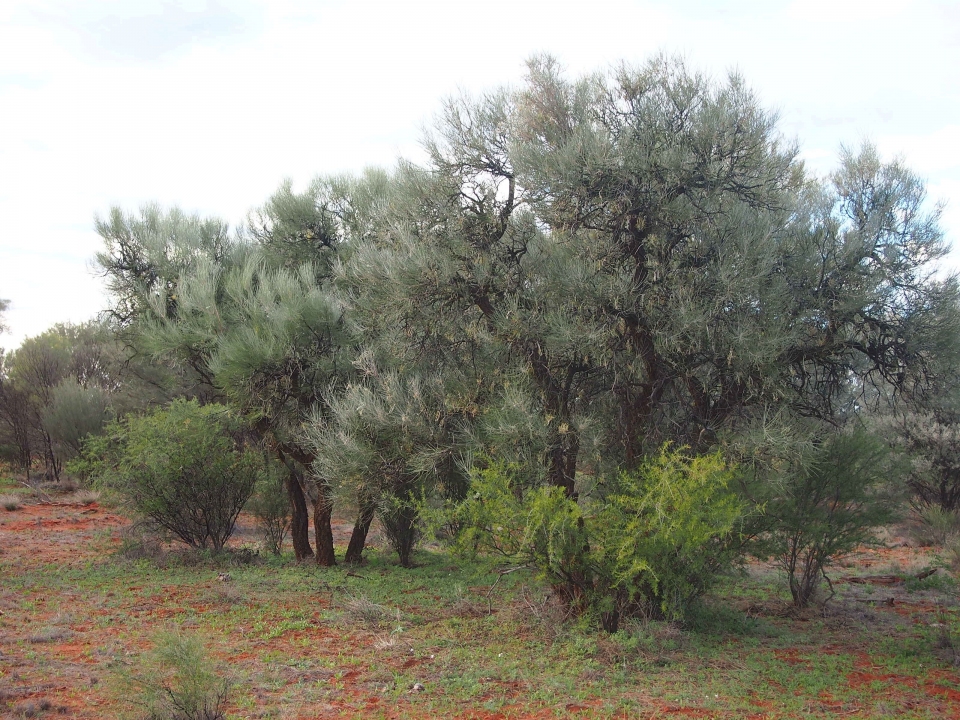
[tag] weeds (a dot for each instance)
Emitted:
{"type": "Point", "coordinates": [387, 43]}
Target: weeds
{"type": "Point", "coordinates": [933, 525]}
{"type": "Point", "coordinates": [361, 610]}
{"type": "Point", "coordinates": [10, 502]}
{"type": "Point", "coordinates": [178, 683]}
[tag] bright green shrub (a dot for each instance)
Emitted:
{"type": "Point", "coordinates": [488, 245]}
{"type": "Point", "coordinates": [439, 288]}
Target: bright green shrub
{"type": "Point", "coordinates": [182, 468]}
{"type": "Point", "coordinates": [647, 542]}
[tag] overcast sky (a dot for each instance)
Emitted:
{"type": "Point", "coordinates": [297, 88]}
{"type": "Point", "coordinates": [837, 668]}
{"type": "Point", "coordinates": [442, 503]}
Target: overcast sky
{"type": "Point", "coordinates": [210, 105]}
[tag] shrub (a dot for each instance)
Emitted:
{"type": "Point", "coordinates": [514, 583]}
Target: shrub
{"type": "Point", "coordinates": [933, 525]}
{"type": "Point", "coordinates": [177, 682]}
{"type": "Point", "coordinates": [270, 505]}
{"type": "Point", "coordinates": [933, 441]}
{"type": "Point", "coordinates": [647, 542]}
{"type": "Point", "coordinates": [826, 505]}
{"type": "Point", "coordinates": [400, 517]}
{"type": "Point", "coordinates": [10, 502]}
{"type": "Point", "coordinates": [182, 468]}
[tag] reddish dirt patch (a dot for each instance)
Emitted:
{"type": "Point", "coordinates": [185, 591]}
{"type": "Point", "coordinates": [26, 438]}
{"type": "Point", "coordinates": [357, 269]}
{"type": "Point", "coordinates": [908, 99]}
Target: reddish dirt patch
{"type": "Point", "coordinates": [56, 533]}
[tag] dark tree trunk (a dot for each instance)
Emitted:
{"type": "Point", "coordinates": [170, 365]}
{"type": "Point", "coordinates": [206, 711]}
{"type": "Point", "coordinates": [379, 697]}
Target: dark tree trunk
{"type": "Point", "coordinates": [299, 520]}
{"type": "Point", "coordinates": [360, 529]}
{"type": "Point", "coordinates": [562, 455]}
{"type": "Point", "coordinates": [322, 513]}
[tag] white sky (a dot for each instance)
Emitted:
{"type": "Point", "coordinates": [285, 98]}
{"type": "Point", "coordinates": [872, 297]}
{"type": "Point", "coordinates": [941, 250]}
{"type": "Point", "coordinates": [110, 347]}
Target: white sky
{"type": "Point", "coordinates": [210, 105]}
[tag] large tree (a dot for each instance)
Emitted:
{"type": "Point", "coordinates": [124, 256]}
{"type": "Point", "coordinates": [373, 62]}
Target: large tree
{"type": "Point", "coordinates": [639, 257]}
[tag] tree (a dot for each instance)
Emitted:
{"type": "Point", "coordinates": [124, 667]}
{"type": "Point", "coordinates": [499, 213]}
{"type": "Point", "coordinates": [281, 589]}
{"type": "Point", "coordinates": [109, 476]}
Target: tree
{"type": "Point", "coordinates": [636, 258]}
{"type": "Point", "coordinates": [643, 255]}
{"type": "Point", "coordinates": [4, 306]}
{"type": "Point", "coordinates": [54, 389]}
{"type": "Point", "coordinates": [931, 438]}
{"type": "Point", "coordinates": [257, 326]}
{"type": "Point", "coordinates": [387, 443]}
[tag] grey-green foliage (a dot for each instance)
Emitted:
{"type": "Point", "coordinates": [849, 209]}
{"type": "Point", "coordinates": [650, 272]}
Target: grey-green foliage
{"type": "Point", "coordinates": [390, 440]}
{"type": "Point", "coordinates": [144, 255]}
{"type": "Point", "coordinates": [251, 314]}
{"type": "Point", "coordinates": [73, 413]}
{"type": "Point", "coordinates": [639, 257]}
{"type": "Point", "coordinates": [930, 437]}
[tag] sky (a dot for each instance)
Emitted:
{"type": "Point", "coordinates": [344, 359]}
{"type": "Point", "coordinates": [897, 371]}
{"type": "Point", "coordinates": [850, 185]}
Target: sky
{"type": "Point", "coordinates": [209, 105]}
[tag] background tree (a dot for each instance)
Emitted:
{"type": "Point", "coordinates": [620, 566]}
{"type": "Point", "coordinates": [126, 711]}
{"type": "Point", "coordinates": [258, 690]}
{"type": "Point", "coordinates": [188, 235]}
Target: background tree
{"type": "Point", "coordinates": [55, 389]}
{"type": "Point", "coordinates": [4, 306]}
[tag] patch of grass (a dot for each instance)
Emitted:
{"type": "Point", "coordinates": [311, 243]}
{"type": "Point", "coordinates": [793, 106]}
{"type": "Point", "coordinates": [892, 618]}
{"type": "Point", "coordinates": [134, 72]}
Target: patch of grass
{"type": "Point", "coordinates": [10, 502]}
{"type": "Point", "coordinates": [51, 634]}
{"type": "Point", "coordinates": [311, 641]}
{"type": "Point", "coordinates": [932, 525]}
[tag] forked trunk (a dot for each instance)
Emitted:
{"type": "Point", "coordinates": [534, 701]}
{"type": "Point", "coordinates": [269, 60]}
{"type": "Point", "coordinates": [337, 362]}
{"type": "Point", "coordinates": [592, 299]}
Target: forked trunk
{"type": "Point", "coordinates": [299, 520]}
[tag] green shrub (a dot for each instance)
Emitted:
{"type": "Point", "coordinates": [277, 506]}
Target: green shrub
{"type": "Point", "coordinates": [182, 468]}
{"type": "Point", "coordinates": [826, 505]}
{"type": "Point", "coordinates": [176, 682]}
{"type": "Point", "coordinates": [933, 525]}
{"type": "Point", "coordinates": [645, 543]}
{"type": "Point", "coordinates": [270, 505]}
{"type": "Point", "coordinates": [400, 517]}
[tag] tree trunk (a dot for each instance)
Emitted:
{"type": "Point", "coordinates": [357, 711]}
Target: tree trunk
{"type": "Point", "coordinates": [562, 460]}
{"type": "Point", "coordinates": [360, 529]}
{"type": "Point", "coordinates": [299, 522]}
{"type": "Point", "coordinates": [322, 512]}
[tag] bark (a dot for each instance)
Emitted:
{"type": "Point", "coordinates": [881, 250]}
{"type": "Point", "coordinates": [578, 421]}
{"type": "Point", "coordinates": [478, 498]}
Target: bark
{"type": "Point", "coordinates": [299, 522]}
{"type": "Point", "coordinates": [322, 513]}
{"type": "Point", "coordinates": [358, 539]}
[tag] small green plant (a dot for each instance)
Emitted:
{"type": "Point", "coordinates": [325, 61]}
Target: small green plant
{"type": "Point", "coordinates": [177, 681]}
{"type": "Point", "coordinates": [826, 505]}
{"type": "Point", "coordinates": [183, 468]}
{"type": "Point", "coordinates": [270, 505]}
{"type": "Point", "coordinates": [644, 543]}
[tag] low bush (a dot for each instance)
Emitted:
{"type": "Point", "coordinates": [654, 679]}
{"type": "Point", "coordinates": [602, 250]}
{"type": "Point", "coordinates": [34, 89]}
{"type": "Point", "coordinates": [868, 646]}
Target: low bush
{"type": "Point", "coordinates": [932, 525]}
{"type": "Point", "coordinates": [177, 681]}
{"type": "Point", "coordinates": [644, 543]}
{"type": "Point", "coordinates": [829, 503]}
{"type": "Point", "coordinates": [183, 468]}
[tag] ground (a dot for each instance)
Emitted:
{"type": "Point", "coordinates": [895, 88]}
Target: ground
{"type": "Point", "coordinates": [84, 602]}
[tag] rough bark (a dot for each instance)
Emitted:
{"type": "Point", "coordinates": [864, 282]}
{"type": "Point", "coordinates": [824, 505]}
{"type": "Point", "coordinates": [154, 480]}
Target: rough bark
{"type": "Point", "coordinates": [299, 520]}
{"type": "Point", "coordinates": [322, 513]}
{"type": "Point", "coordinates": [358, 538]}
